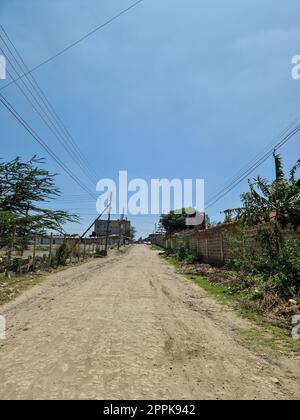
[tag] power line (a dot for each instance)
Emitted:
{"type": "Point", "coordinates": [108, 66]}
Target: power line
{"type": "Point", "coordinates": [50, 124]}
{"type": "Point", "coordinates": [44, 145]}
{"type": "Point", "coordinates": [47, 103]}
{"type": "Point", "coordinates": [254, 160]}
{"type": "Point", "coordinates": [254, 166]}
{"type": "Point", "coordinates": [47, 119]}
{"type": "Point", "coordinates": [75, 43]}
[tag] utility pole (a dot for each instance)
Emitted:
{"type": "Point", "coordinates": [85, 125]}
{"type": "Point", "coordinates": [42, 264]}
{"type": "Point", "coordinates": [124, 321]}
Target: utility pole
{"type": "Point", "coordinates": [50, 249]}
{"type": "Point", "coordinates": [34, 250]}
{"type": "Point", "coordinates": [108, 223]}
{"type": "Point", "coordinates": [121, 228]}
{"type": "Point", "coordinates": [90, 227]}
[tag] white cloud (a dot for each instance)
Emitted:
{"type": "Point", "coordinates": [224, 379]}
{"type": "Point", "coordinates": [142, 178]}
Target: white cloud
{"type": "Point", "coordinates": [272, 40]}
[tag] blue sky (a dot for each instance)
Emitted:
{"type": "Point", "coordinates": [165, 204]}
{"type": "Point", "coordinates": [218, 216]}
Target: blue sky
{"type": "Point", "coordinates": [174, 88]}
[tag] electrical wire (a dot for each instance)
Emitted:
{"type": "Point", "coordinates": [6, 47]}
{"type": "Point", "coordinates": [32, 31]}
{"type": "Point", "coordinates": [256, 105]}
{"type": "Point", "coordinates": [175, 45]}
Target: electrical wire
{"type": "Point", "coordinates": [43, 144]}
{"type": "Point", "coordinates": [31, 79]}
{"type": "Point", "coordinates": [73, 44]}
{"type": "Point", "coordinates": [254, 167]}
{"type": "Point", "coordinates": [48, 121]}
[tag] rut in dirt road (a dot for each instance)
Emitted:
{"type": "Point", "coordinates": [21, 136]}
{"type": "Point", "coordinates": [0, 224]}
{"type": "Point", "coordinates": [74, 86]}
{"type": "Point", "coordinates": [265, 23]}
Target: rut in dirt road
{"type": "Point", "coordinates": [129, 327]}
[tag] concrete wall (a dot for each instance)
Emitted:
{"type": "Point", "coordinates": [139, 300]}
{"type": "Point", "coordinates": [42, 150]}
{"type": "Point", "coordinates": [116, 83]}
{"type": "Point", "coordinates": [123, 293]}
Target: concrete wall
{"type": "Point", "coordinates": [210, 244]}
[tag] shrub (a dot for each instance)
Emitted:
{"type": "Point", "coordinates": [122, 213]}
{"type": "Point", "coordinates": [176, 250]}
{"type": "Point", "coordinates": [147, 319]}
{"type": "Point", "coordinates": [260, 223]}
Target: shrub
{"type": "Point", "coordinates": [287, 276]}
{"type": "Point", "coordinates": [241, 250]}
{"type": "Point", "coordinates": [183, 252]}
{"type": "Point", "coordinates": [278, 266]}
{"type": "Point", "coordinates": [62, 255]}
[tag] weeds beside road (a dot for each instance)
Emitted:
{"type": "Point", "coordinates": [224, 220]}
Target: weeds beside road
{"type": "Point", "coordinates": [269, 333]}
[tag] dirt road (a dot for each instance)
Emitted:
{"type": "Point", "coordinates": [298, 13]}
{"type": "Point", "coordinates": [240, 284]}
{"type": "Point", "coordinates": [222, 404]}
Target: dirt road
{"type": "Point", "coordinates": [128, 327]}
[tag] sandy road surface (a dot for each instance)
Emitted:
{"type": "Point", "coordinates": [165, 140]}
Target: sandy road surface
{"type": "Point", "coordinates": [128, 327]}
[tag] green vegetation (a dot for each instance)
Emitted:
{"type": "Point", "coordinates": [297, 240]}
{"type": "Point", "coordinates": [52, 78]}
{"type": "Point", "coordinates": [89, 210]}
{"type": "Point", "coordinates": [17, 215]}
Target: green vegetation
{"type": "Point", "coordinates": [12, 287]}
{"type": "Point", "coordinates": [276, 259]}
{"type": "Point", "coordinates": [277, 201]}
{"type": "Point", "coordinates": [286, 273]}
{"type": "Point", "coordinates": [62, 255]}
{"type": "Point", "coordinates": [156, 248]}
{"type": "Point", "coordinates": [265, 336]}
{"type": "Point", "coordinates": [174, 221]}
{"type": "Point", "coordinates": [275, 270]}
{"type": "Point", "coordinates": [263, 268]}
{"type": "Point", "coordinates": [24, 186]}
{"type": "Point", "coordinates": [183, 252]}
{"type": "Point", "coordinates": [222, 293]}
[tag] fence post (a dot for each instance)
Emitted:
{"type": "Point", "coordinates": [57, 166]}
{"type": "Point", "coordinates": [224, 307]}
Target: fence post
{"type": "Point", "coordinates": [72, 250]}
{"type": "Point", "coordinates": [50, 249]}
{"type": "Point", "coordinates": [34, 250]}
{"type": "Point", "coordinates": [84, 247]}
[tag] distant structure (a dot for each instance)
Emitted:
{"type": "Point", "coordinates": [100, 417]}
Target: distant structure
{"type": "Point", "coordinates": [116, 227]}
{"type": "Point", "coordinates": [197, 220]}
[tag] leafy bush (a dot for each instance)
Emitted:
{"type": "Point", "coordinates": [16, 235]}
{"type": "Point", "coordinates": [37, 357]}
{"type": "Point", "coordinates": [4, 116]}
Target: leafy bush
{"type": "Point", "coordinates": [278, 265]}
{"type": "Point", "coordinates": [183, 252]}
{"type": "Point", "coordinates": [62, 255]}
{"type": "Point", "coordinates": [287, 277]}
{"type": "Point", "coordinates": [241, 250]}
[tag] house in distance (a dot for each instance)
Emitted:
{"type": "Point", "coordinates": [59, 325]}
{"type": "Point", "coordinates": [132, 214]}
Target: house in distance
{"type": "Point", "coordinates": [116, 227]}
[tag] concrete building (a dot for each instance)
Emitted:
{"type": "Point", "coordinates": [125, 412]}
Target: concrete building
{"type": "Point", "coordinates": [45, 240]}
{"type": "Point", "coordinates": [116, 227]}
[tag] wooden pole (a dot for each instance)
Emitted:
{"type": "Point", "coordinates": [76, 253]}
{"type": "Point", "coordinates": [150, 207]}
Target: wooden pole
{"type": "Point", "coordinates": [50, 249]}
{"type": "Point", "coordinates": [84, 248]}
{"type": "Point", "coordinates": [108, 223]}
{"type": "Point", "coordinates": [120, 229]}
{"type": "Point", "coordinates": [90, 227]}
{"type": "Point", "coordinates": [78, 250]}
{"type": "Point", "coordinates": [34, 250]}
{"type": "Point", "coordinates": [119, 240]}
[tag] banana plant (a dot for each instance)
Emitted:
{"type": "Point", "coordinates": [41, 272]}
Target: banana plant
{"type": "Point", "coordinates": [277, 201]}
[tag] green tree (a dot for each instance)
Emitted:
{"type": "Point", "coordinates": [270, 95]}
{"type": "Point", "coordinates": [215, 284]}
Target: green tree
{"type": "Point", "coordinates": [277, 201]}
{"type": "Point", "coordinates": [174, 221]}
{"type": "Point", "coordinates": [24, 187]}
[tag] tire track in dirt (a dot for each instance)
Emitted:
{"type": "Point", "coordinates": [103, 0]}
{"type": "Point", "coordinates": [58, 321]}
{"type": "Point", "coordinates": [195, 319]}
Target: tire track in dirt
{"type": "Point", "coordinates": [129, 327]}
